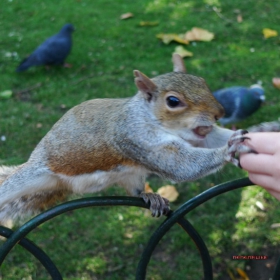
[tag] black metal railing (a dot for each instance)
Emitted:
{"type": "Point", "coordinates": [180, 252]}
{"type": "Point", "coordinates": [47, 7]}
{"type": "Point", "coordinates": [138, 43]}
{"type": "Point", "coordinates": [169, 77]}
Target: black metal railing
{"type": "Point", "coordinates": [173, 217]}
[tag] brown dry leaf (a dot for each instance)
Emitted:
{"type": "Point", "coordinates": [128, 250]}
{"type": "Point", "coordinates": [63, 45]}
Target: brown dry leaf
{"type": "Point", "coordinates": [128, 235]}
{"type": "Point", "coordinates": [167, 38]}
{"type": "Point", "coordinates": [242, 273]}
{"type": "Point", "coordinates": [276, 82]}
{"type": "Point", "coordinates": [183, 52]}
{"type": "Point", "coordinates": [168, 192]}
{"type": "Point", "coordinates": [199, 34]}
{"type": "Point", "coordinates": [126, 16]}
{"type": "Point", "coordinates": [148, 23]}
{"type": "Point", "coordinates": [239, 18]}
{"type": "Point", "coordinates": [190, 36]}
{"type": "Point", "coordinates": [267, 33]}
{"type": "Point", "coordinates": [148, 189]}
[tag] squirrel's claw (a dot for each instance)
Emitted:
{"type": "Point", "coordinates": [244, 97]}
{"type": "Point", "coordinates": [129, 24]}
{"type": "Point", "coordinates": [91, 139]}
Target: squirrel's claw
{"type": "Point", "coordinates": [236, 146]}
{"type": "Point", "coordinates": [158, 205]}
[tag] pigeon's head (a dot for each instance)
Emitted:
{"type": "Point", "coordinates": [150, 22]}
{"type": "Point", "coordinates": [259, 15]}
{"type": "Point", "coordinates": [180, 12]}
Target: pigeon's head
{"type": "Point", "coordinates": [258, 92]}
{"type": "Point", "coordinates": [68, 28]}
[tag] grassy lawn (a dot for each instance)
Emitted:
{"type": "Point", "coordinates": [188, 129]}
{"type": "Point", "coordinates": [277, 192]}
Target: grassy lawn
{"type": "Point", "coordinates": [106, 243]}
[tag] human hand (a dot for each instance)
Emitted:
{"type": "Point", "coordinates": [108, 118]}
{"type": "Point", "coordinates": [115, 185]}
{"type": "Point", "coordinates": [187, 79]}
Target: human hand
{"type": "Point", "coordinates": [264, 167]}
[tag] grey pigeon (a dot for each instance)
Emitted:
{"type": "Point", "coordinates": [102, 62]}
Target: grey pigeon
{"type": "Point", "coordinates": [53, 51]}
{"type": "Point", "coordinates": [239, 102]}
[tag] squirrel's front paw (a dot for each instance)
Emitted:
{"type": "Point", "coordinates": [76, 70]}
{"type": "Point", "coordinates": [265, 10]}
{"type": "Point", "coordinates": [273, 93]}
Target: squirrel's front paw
{"type": "Point", "coordinates": [158, 205]}
{"type": "Point", "coordinates": [236, 146]}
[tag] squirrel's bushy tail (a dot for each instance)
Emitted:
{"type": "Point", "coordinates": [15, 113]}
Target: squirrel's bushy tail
{"type": "Point", "coordinates": [6, 171]}
{"type": "Point", "coordinates": [22, 208]}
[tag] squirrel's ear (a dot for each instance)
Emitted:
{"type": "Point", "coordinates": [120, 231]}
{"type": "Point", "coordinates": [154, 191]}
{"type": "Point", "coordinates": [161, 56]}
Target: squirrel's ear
{"type": "Point", "coordinates": [178, 63]}
{"type": "Point", "coordinates": [144, 84]}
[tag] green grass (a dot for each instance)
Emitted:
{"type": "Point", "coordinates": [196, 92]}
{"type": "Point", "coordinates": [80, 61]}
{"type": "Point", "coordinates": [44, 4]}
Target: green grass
{"type": "Point", "coordinates": [106, 243]}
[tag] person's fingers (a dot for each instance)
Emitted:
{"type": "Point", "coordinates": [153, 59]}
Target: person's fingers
{"type": "Point", "coordinates": [264, 142]}
{"type": "Point", "coordinates": [265, 181]}
{"type": "Point", "coordinates": [274, 193]}
{"type": "Point", "coordinates": [257, 163]}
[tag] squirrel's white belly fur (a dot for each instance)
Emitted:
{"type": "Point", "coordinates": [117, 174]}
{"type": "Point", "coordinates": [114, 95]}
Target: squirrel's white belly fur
{"type": "Point", "coordinates": [98, 180]}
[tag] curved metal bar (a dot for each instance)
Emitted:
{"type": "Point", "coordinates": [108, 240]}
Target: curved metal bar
{"type": "Point", "coordinates": [173, 217]}
{"type": "Point", "coordinates": [178, 214]}
{"type": "Point", "coordinates": [62, 208]}
{"type": "Point", "coordinates": [38, 253]}
{"type": "Point", "coordinates": [276, 274]}
{"type": "Point", "coordinates": [202, 248]}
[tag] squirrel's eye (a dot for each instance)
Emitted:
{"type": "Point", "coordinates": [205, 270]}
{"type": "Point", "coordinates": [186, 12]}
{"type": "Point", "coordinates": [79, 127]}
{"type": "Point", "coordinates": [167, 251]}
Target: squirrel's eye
{"type": "Point", "coordinates": [172, 101]}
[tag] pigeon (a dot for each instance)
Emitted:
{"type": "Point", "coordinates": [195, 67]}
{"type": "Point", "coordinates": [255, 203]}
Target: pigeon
{"type": "Point", "coordinates": [53, 51]}
{"type": "Point", "coordinates": [239, 102]}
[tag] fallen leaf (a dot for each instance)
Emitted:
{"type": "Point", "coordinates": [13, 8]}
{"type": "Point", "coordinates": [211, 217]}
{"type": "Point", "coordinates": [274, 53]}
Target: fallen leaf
{"type": "Point", "coordinates": [148, 23]}
{"type": "Point", "coordinates": [128, 235]}
{"type": "Point", "coordinates": [230, 274]}
{"type": "Point", "coordinates": [239, 18]}
{"type": "Point", "coordinates": [126, 16]}
{"type": "Point", "coordinates": [148, 189]}
{"type": "Point", "coordinates": [199, 34]}
{"type": "Point", "coordinates": [168, 192]}
{"type": "Point", "coordinates": [267, 33]}
{"type": "Point", "coordinates": [190, 36]}
{"type": "Point", "coordinates": [242, 273]}
{"type": "Point", "coordinates": [276, 225]}
{"type": "Point", "coordinates": [167, 38]}
{"type": "Point", "coordinates": [276, 82]}
{"type": "Point", "coordinates": [6, 94]}
{"type": "Point", "coordinates": [260, 205]}
{"type": "Point", "coordinates": [183, 52]}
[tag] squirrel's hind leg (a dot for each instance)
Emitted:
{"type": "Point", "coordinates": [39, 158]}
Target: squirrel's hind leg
{"type": "Point", "coordinates": [158, 205]}
{"type": "Point", "coordinates": [135, 185]}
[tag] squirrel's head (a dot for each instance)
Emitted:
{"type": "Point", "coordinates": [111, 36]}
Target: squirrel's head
{"type": "Point", "coordinates": [181, 102]}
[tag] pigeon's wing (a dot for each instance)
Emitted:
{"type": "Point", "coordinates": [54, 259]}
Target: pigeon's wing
{"type": "Point", "coordinates": [250, 103]}
{"type": "Point", "coordinates": [229, 99]}
{"type": "Point", "coordinates": [54, 50]}
{"type": "Point", "coordinates": [44, 54]}
{"type": "Point", "coordinates": [32, 60]}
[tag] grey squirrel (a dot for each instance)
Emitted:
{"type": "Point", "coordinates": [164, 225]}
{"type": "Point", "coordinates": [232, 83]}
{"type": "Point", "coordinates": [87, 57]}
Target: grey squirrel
{"type": "Point", "coordinates": [167, 128]}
